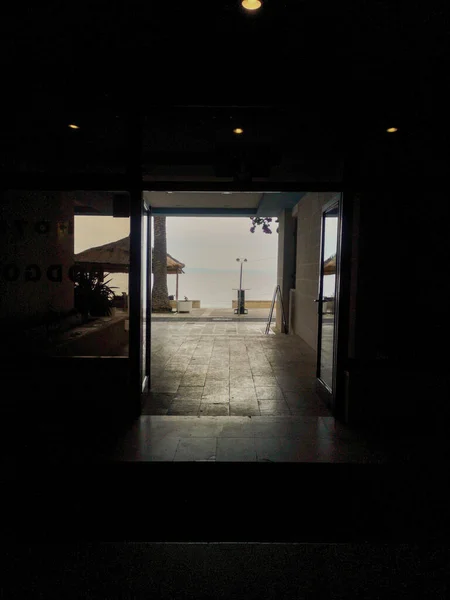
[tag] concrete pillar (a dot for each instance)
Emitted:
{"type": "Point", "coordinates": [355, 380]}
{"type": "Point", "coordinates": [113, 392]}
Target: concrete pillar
{"type": "Point", "coordinates": [36, 252]}
{"type": "Point", "coordinates": [308, 263]}
{"type": "Point", "coordinates": [286, 262]}
{"type": "Point", "coordinates": [309, 217]}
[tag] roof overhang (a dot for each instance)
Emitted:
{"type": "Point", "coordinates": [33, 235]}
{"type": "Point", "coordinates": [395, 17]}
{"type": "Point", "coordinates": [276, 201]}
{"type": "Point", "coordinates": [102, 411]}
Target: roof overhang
{"type": "Point", "coordinates": [204, 204]}
{"type": "Point", "coordinates": [222, 204]}
{"type": "Point", "coordinates": [196, 204]}
{"type": "Point", "coordinates": [273, 203]}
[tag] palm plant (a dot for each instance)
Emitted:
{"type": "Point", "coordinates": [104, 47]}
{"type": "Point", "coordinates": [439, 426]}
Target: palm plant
{"type": "Point", "coordinates": [93, 296]}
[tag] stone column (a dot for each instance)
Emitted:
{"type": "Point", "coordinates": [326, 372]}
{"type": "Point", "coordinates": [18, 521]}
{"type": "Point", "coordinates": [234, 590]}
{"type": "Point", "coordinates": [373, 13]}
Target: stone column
{"type": "Point", "coordinates": [308, 267]}
{"type": "Point", "coordinates": [286, 263]}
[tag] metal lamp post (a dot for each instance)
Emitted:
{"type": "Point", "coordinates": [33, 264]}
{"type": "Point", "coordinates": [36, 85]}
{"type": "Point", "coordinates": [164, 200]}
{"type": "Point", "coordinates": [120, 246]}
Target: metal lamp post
{"type": "Point", "coordinates": [242, 261]}
{"type": "Point", "coordinates": [241, 298]}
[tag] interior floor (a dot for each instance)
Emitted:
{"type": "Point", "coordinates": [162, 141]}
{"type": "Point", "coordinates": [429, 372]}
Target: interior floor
{"type": "Point", "coordinates": [226, 570]}
{"type": "Point", "coordinates": [224, 391]}
{"type": "Point", "coordinates": [244, 439]}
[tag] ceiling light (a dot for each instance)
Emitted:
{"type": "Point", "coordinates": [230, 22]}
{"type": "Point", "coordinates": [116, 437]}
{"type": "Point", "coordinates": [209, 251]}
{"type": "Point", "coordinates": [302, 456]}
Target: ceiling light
{"type": "Point", "coordinates": [226, 193]}
{"type": "Point", "coordinates": [73, 126]}
{"type": "Point", "coordinates": [392, 130]}
{"type": "Point", "coordinates": [251, 4]}
{"type": "Point", "coordinates": [238, 131]}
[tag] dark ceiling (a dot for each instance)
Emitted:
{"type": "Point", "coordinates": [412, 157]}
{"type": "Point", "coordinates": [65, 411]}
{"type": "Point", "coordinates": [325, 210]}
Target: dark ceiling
{"type": "Point", "coordinates": [185, 52]}
{"type": "Point", "coordinates": [326, 77]}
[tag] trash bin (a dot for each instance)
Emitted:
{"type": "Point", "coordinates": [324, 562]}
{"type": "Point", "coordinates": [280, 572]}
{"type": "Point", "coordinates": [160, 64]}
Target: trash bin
{"type": "Point", "coordinates": [241, 310]}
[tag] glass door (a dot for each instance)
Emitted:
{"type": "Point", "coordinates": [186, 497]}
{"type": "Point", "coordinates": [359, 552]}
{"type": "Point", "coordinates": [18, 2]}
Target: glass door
{"type": "Point", "coordinates": [327, 300]}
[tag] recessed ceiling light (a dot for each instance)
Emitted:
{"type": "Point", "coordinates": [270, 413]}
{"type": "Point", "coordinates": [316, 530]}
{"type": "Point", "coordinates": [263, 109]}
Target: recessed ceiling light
{"type": "Point", "coordinates": [238, 131]}
{"type": "Point", "coordinates": [392, 130]}
{"type": "Point", "coordinates": [226, 193]}
{"type": "Point", "coordinates": [73, 126]}
{"type": "Point", "coordinates": [251, 4]}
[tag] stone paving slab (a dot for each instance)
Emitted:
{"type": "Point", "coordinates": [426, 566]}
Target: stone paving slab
{"type": "Point", "coordinates": [235, 370]}
{"type": "Point", "coordinates": [244, 439]}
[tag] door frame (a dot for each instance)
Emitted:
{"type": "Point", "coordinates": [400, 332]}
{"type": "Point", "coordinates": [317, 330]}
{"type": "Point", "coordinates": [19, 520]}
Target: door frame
{"type": "Point", "coordinates": [344, 201]}
{"type": "Point", "coordinates": [343, 309]}
{"type": "Point", "coordinates": [146, 334]}
{"type": "Point", "coordinates": [327, 394]}
{"type": "Point", "coordinates": [140, 217]}
{"type": "Point", "coordinates": [148, 316]}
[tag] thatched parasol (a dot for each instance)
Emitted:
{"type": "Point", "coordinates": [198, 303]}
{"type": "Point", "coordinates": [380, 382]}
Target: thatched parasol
{"type": "Point", "coordinates": [114, 257]}
{"type": "Point", "coordinates": [329, 266]}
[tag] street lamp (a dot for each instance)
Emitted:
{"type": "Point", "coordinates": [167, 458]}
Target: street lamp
{"type": "Point", "coordinates": [242, 261]}
{"type": "Point", "coordinates": [241, 297]}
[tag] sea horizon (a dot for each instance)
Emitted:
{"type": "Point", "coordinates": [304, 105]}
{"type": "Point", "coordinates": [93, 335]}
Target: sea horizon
{"type": "Point", "coordinates": [217, 288]}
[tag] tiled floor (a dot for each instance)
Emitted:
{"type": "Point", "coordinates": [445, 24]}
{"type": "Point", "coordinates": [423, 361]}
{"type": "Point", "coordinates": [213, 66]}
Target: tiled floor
{"type": "Point", "coordinates": [244, 439]}
{"type": "Point", "coordinates": [230, 369]}
{"type": "Point", "coordinates": [224, 391]}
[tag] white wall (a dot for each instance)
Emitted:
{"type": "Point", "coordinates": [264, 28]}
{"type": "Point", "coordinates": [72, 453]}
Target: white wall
{"type": "Point", "coordinates": [286, 263]}
{"type": "Point", "coordinates": [309, 212]}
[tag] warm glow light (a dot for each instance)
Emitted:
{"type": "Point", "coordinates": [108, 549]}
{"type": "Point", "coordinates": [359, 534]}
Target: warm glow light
{"type": "Point", "coordinates": [392, 130]}
{"type": "Point", "coordinates": [73, 126]}
{"type": "Point", "coordinates": [238, 131]}
{"type": "Point", "coordinates": [251, 4]}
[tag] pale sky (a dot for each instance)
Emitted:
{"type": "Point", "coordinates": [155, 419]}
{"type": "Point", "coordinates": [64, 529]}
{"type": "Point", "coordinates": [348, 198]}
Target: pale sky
{"type": "Point", "coordinates": [330, 237]}
{"type": "Point", "coordinates": [216, 242]}
{"type": "Point", "coordinates": [96, 231]}
{"type": "Point", "coordinates": [198, 242]}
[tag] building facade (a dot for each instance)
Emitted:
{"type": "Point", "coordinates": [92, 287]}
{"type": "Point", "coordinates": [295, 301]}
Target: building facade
{"type": "Point", "coordinates": [385, 314]}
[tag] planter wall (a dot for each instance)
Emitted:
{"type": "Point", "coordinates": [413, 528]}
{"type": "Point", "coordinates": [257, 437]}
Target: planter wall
{"type": "Point", "coordinates": [107, 340]}
{"type": "Point", "coordinates": [184, 305]}
{"type": "Point", "coordinates": [254, 303]}
{"type": "Point", "coordinates": [195, 303]}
